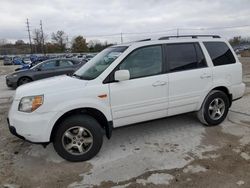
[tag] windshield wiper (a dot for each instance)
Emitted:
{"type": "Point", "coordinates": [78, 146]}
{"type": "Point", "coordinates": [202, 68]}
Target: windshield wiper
{"type": "Point", "coordinates": [77, 76]}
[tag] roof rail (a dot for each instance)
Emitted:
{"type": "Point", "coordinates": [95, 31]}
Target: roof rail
{"type": "Point", "coordinates": [192, 36]}
{"type": "Point", "coordinates": [142, 40]}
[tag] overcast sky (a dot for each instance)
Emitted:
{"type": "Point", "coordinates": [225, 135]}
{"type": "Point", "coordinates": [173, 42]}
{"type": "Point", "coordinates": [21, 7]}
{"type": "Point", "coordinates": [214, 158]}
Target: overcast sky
{"type": "Point", "coordinates": [94, 18]}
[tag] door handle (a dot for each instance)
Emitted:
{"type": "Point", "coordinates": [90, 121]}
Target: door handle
{"type": "Point", "coordinates": [205, 76]}
{"type": "Point", "coordinates": [159, 83]}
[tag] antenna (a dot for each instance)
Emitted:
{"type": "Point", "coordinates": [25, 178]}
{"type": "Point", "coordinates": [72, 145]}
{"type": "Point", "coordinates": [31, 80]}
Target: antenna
{"type": "Point", "coordinates": [121, 39]}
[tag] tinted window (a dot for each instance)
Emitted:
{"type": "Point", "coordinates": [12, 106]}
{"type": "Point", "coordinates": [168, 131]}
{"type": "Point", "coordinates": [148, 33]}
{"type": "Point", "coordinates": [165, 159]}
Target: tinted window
{"type": "Point", "coordinates": [143, 62]}
{"type": "Point", "coordinates": [184, 57]}
{"type": "Point", "coordinates": [48, 65]}
{"type": "Point", "coordinates": [219, 53]}
{"type": "Point", "coordinates": [65, 63]}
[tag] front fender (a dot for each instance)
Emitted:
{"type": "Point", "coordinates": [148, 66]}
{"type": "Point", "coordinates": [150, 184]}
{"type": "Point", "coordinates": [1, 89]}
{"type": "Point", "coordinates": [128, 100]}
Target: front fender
{"type": "Point", "coordinates": [62, 108]}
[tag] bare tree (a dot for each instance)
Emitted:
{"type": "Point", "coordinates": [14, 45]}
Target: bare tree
{"type": "Point", "coordinates": [60, 38]}
{"type": "Point", "coordinates": [38, 40]}
{"type": "Point", "coordinates": [3, 42]}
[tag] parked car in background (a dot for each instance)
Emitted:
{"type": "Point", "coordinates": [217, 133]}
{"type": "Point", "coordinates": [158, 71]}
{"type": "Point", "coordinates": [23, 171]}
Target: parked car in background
{"type": "Point", "coordinates": [17, 61]}
{"type": "Point", "coordinates": [48, 68]}
{"type": "Point", "coordinates": [26, 60]}
{"type": "Point", "coordinates": [7, 61]}
{"type": "Point", "coordinates": [27, 66]}
{"type": "Point", "coordinates": [89, 56]}
{"type": "Point", "coordinates": [38, 59]}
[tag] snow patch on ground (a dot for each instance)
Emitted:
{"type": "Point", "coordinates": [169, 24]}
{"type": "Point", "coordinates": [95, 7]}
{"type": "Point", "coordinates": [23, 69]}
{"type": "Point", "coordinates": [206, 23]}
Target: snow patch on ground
{"type": "Point", "coordinates": [157, 179]}
{"type": "Point", "coordinates": [194, 169]}
{"type": "Point", "coordinates": [122, 186]}
{"type": "Point", "coordinates": [11, 186]}
{"type": "Point", "coordinates": [240, 183]}
{"type": "Point", "coordinates": [245, 156]}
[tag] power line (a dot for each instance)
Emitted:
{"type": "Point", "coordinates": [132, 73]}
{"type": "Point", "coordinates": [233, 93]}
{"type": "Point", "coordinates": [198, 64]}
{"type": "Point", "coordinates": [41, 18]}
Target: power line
{"type": "Point", "coordinates": [162, 31]}
{"type": "Point", "coordinates": [28, 29]}
{"type": "Point", "coordinates": [41, 25]}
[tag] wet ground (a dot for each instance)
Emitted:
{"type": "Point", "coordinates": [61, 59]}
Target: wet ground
{"type": "Point", "coordinates": [170, 152]}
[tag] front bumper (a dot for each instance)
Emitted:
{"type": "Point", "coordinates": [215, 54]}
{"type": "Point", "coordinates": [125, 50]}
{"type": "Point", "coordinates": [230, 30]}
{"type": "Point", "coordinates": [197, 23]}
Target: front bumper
{"type": "Point", "coordinates": [13, 131]}
{"type": "Point", "coordinates": [34, 127]}
{"type": "Point", "coordinates": [10, 82]}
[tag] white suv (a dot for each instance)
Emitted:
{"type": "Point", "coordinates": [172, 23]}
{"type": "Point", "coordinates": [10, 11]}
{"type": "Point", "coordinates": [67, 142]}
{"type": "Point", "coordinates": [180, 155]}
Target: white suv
{"type": "Point", "coordinates": [127, 84]}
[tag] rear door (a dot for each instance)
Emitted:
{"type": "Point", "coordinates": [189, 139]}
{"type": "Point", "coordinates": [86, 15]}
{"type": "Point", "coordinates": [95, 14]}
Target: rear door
{"type": "Point", "coordinates": [66, 67]}
{"type": "Point", "coordinates": [227, 69]}
{"type": "Point", "coordinates": [189, 76]}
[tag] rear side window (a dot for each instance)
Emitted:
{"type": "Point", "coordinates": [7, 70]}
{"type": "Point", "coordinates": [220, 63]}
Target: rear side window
{"type": "Point", "coordinates": [65, 63]}
{"type": "Point", "coordinates": [219, 53]}
{"type": "Point", "coordinates": [48, 65]}
{"type": "Point", "coordinates": [183, 56]}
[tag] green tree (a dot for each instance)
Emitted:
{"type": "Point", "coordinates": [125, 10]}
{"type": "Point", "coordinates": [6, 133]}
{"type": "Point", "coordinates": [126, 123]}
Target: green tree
{"type": "Point", "coordinates": [79, 44]}
{"type": "Point", "coordinates": [235, 40]}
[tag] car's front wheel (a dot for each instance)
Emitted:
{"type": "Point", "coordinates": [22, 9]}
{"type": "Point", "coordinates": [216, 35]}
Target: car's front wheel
{"type": "Point", "coordinates": [214, 108]}
{"type": "Point", "coordinates": [78, 138]}
{"type": "Point", "coordinates": [24, 80]}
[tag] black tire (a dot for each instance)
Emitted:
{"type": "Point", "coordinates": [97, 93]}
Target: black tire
{"type": "Point", "coordinates": [92, 128]}
{"type": "Point", "coordinates": [206, 115]}
{"type": "Point", "coordinates": [23, 80]}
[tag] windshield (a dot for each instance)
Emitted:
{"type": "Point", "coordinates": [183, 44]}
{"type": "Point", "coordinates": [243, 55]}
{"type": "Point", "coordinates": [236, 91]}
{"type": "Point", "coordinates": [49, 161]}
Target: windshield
{"type": "Point", "coordinates": [99, 63]}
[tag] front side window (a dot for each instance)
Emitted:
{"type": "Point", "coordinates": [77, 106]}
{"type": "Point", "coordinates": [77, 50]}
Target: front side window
{"type": "Point", "coordinates": [183, 56]}
{"type": "Point", "coordinates": [146, 61]}
{"type": "Point", "coordinates": [219, 53]}
{"type": "Point", "coordinates": [93, 68]}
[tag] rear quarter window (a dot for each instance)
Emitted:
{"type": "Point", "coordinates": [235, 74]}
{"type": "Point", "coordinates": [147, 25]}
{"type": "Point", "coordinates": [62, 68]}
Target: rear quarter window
{"type": "Point", "coordinates": [220, 53]}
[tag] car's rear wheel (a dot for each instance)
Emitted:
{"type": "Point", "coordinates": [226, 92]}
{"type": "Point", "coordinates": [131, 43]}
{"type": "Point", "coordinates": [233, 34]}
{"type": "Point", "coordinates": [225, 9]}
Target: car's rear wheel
{"type": "Point", "coordinates": [24, 80]}
{"type": "Point", "coordinates": [78, 138]}
{"type": "Point", "coordinates": [214, 108]}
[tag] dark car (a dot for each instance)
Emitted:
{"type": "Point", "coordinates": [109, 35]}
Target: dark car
{"type": "Point", "coordinates": [7, 61]}
{"type": "Point", "coordinates": [45, 69]}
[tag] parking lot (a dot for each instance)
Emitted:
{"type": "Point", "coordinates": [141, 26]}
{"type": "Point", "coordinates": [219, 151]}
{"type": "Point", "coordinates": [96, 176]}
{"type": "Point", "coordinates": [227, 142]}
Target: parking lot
{"type": "Point", "coordinates": [175, 152]}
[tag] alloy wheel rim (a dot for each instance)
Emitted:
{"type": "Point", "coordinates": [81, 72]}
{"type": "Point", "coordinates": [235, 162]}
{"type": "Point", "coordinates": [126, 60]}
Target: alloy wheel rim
{"type": "Point", "coordinates": [216, 109]}
{"type": "Point", "coordinates": [77, 140]}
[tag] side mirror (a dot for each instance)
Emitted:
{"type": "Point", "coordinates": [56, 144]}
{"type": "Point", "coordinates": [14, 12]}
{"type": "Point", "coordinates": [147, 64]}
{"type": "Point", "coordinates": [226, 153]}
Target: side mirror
{"type": "Point", "coordinates": [122, 75]}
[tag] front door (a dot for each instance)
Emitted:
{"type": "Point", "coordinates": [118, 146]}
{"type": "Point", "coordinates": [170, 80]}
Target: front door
{"type": "Point", "coordinates": [46, 69]}
{"type": "Point", "coordinates": [145, 95]}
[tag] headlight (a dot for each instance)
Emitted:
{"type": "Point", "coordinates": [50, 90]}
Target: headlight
{"type": "Point", "coordinates": [31, 103]}
{"type": "Point", "coordinates": [14, 75]}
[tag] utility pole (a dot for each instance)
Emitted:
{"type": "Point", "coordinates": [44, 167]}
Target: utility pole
{"type": "Point", "coordinates": [28, 29]}
{"type": "Point", "coordinates": [121, 39]}
{"type": "Point", "coordinates": [177, 32]}
{"type": "Point", "coordinates": [41, 25]}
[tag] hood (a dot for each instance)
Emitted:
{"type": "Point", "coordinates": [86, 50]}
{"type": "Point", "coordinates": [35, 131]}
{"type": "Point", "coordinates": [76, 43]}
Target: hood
{"type": "Point", "coordinates": [20, 72]}
{"type": "Point", "coordinates": [57, 84]}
